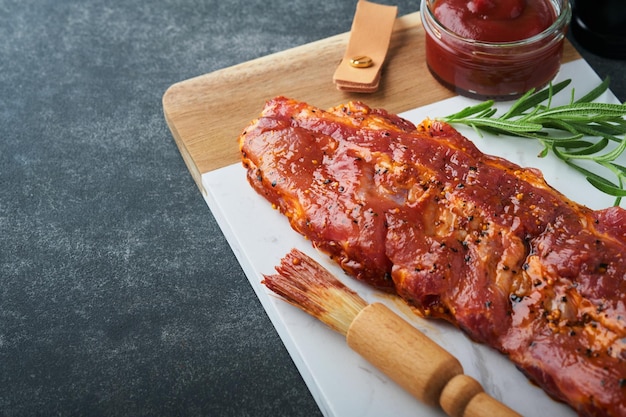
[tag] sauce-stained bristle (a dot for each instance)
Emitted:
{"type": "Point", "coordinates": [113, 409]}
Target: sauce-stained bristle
{"type": "Point", "coordinates": [305, 284]}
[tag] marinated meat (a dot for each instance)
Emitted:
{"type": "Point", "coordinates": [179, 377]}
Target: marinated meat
{"type": "Point", "coordinates": [466, 237]}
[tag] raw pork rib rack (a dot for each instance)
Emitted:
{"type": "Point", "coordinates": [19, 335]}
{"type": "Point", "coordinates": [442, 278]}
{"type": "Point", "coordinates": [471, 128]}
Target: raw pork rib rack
{"type": "Point", "coordinates": [462, 236]}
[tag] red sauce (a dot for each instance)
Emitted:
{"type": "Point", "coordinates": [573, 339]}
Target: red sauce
{"type": "Point", "coordinates": [478, 47]}
{"type": "Point", "coordinates": [495, 20]}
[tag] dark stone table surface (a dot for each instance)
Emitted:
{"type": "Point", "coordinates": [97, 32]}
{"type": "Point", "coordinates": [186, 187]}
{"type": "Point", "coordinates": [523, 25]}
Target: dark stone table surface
{"type": "Point", "coordinates": [119, 295]}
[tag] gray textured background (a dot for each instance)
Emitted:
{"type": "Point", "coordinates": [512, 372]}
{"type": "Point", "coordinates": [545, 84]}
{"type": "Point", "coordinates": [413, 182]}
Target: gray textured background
{"type": "Point", "coordinates": [118, 292]}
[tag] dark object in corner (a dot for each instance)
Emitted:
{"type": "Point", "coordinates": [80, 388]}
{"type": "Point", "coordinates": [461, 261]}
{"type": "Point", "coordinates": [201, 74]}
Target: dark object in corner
{"type": "Point", "coordinates": [600, 26]}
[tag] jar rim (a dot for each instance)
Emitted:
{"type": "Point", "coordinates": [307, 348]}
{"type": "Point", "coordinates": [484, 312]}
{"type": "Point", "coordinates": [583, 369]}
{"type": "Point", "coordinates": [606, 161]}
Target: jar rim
{"type": "Point", "coordinates": [561, 22]}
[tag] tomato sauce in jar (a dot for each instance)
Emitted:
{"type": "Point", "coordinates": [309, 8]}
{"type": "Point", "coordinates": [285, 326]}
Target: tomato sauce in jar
{"type": "Point", "coordinates": [494, 48]}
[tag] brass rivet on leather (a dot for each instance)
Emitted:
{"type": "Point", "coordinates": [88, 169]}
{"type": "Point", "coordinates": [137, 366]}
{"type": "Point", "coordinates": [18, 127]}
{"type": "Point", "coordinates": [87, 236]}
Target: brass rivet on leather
{"type": "Point", "coordinates": [361, 61]}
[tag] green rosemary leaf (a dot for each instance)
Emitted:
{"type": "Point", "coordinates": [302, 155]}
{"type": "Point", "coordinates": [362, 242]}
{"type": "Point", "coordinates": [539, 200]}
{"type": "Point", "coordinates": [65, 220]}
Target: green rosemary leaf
{"type": "Point", "coordinates": [601, 183]}
{"type": "Point", "coordinates": [607, 157]}
{"type": "Point", "coordinates": [585, 152]}
{"type": "Point", "coordinates": [584, 147]}
{"type": "Point", "coordinates": [619, 168]}
{"type": "Point", "coordinates": [489, 113]}
{"type": "Point", "coordinates": [612, 155]}
{"type": "Point", "coordinates": [607, 187]}
{"type": "Point", "coordinates": [521, 105]}
{"type": "Point", "coordinates": [559, 139]}
{"type": "Point", "coordinates": [506, 125]}
{"type": "Point", "coordinates": [561, 129]}
{"type": "Point", "coordinates": [564, 156]}
{"type": "Point", "coordinates": [600, 130]}
{"type": "Point", "coordinates": [562, 125]}
{"type": "Point", "coordinates": [585, 171]}
{"type": "Point", "coordinates": [613, 127]}
{"type": "Point", "coordinates": [618, 123]}
{"type": "Point", "coordinates": [583, 111]}
{"type": "Point", "coordinates": [535, 99]}
{"type": "Point", "coordinates": [471, 110]}
{"type": "Point", "coordinates": [596, 92]}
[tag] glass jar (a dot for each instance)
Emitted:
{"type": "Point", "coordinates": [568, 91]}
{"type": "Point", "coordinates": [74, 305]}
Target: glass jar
{"type": "Point", "coordinates": [492, 69]}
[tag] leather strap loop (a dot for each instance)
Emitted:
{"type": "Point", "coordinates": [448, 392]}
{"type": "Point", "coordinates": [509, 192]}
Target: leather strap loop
{"type": "Point", "coordinates": [369, 37]}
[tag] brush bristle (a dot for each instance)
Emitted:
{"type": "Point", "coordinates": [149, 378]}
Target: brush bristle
{"type": "Point", "coordinates": [304, 283]}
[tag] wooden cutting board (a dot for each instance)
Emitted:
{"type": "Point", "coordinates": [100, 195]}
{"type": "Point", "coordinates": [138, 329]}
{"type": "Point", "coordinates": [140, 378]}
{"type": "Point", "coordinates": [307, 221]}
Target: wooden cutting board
{"type": "Point", "coordinates": [206, 114]}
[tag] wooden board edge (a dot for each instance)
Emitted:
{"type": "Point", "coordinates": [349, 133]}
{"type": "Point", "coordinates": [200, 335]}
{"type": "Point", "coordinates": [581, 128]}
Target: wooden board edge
{"type": "Point", "coordinates": [184, 152]}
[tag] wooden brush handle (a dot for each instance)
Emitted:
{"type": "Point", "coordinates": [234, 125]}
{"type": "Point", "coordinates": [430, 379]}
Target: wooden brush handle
{"type": "Point", "coordinates": [419, 365]}
{"type": "Point", "coordinates": [463, 396]}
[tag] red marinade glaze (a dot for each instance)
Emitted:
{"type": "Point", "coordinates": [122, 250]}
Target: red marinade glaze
{"type": "Point", "coordinates": [460, 235]}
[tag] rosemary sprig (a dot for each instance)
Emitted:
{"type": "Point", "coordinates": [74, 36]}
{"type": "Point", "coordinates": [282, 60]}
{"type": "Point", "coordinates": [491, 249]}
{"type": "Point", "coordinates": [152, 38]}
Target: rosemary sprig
{"type": "Point", "coordinates": [582, 130]}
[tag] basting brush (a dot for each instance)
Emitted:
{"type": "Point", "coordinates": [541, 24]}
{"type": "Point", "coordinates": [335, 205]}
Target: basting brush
{"type": "Point", "coordinates": [402, 352]}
